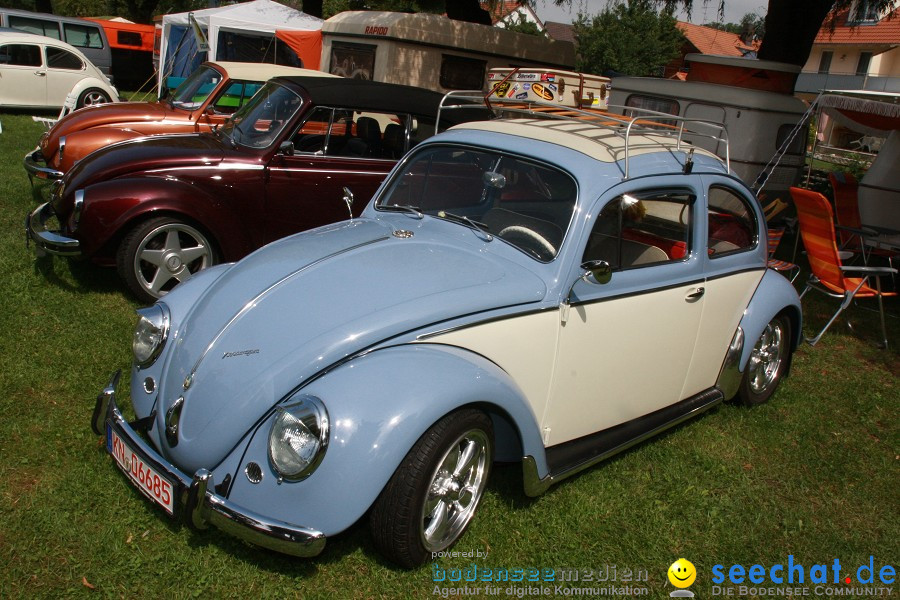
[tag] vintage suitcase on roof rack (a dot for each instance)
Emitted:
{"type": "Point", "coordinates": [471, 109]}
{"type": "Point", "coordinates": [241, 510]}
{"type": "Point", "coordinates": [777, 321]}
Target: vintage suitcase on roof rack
{"type": "Point", "coordinates": [566, 88]}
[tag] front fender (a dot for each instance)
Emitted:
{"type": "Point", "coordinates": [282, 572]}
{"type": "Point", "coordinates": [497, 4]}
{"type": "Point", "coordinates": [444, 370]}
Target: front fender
{"type": "Point", "coordinates": [379, 405]}
{"type": "Point", "coordinates": [113, 207]}
{"type": "Point", "coordinates": [774, 295]}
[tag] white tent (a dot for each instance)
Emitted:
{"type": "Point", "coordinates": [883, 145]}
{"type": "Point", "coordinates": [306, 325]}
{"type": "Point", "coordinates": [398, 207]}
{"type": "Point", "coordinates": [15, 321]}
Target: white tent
{"type": "Point", "coordinates": [268, 22]}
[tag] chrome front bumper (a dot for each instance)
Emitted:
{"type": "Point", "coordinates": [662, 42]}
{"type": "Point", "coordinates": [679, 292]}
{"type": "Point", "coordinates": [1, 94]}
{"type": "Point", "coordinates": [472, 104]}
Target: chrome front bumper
{"type": "Point", "coordinates": [45, 239]}
{"type": "Point", "coordinates": [36, 166]}
{"type": "Point", "coordinates": [196, 500]}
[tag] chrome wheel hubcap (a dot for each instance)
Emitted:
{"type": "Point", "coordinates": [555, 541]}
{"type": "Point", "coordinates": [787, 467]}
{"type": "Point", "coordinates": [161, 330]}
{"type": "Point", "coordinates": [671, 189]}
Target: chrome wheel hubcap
{"type": "Point", "coordinates": [94, 98]}
{"type": "Point", "coordinates": [456, 487]}
{"type": "Point", "coordinates": [169, 255]}
{"type": "Point", "coordinates": [766, 358]}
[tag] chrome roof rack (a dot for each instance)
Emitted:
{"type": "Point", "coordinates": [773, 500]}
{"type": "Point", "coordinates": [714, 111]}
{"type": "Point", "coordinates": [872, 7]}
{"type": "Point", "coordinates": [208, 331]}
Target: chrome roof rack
{"type": "Point", "coordinates": [648, 124]}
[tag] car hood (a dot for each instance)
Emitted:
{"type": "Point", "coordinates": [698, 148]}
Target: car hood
{"type": "Point", "coordinates": [298, 306]}
{"type": "Point", "coordinates": [114, 113]}
{"type": "Point", "coordinates": [145, 154]}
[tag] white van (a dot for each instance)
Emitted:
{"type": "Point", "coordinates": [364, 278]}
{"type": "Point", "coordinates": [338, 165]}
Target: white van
{"type": "Point", "coordinates": [758, 121]}
{"type": "Point", "coordinates": [87, 36]}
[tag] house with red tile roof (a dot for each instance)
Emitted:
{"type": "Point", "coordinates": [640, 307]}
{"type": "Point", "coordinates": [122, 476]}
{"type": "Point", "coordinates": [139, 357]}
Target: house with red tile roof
{"type": "Point", "coordinates": [861, 53]}
{"type": "Point", "coordinates": [700, 39]}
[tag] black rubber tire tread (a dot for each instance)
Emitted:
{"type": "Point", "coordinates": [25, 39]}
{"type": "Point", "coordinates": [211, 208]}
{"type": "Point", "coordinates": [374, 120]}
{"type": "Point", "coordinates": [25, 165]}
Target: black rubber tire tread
{"type": "Point", "coordinates": [750, 398]}
{"type": "Point", "coordinates": [394, 518]}
{"type": "Point", "coordinates": [128, 246]}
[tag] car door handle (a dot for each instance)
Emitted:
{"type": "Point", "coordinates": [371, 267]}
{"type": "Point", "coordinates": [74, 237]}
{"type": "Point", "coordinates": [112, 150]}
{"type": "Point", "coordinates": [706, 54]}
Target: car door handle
{"type": "Point", "coordinates": [696, 294]}
{"type": "Point", "coordinates": [40, 73]}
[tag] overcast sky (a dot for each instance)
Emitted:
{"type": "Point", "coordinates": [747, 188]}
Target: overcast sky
{"type": "Point", "coordinates": [734, 10]}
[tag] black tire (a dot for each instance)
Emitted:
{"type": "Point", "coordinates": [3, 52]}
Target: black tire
{"type": "Point", "coordinates": [429, 489]}
{"type": "Point", "coordinates": [160, 253]}
{"type": "Point", "coordinates": [92, 97]}
{"type": "Point", "coordinates": [768, 361]}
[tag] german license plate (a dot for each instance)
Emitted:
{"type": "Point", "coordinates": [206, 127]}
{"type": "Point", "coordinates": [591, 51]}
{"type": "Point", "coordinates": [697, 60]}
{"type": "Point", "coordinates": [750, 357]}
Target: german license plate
{"type": "Point", "coordinates": [146, 479]}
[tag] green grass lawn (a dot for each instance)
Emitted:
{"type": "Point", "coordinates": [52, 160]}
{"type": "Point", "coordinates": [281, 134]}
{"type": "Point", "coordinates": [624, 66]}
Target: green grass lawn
{"type": "Point", "coordinates": [813, 474]}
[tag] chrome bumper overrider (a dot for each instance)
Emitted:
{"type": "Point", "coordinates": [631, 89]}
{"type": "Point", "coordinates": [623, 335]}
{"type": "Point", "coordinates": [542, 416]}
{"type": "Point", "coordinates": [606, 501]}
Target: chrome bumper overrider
{"type": "Point", "coordinates": [46, 240]}
{"type": "Point", "coordinates": [196, 500]}
{"type": "Point", "coordinates": [36, 168]}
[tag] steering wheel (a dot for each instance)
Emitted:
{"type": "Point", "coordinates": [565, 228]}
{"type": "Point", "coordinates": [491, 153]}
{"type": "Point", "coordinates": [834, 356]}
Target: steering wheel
{"type": "Point", "coordinates": [544, 250]}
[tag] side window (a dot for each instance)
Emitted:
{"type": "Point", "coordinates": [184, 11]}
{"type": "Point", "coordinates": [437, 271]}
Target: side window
{"type": "Point", "coordinates": [637, 230]}
{"type": "Point", "coordinates": [21, 55]}
{"type": "Point", "coordinates": [376, 135]}
{"type": "Point", "coordinates": [654, 103]}
{"type": "Point", "coordinates": [356, 61]}
{"type": "Point", "coordinates": [731, 221]}
{"type": "Point", "coordinates": [235, 96]}
{"type": "Point", "coordinates": [461, 73]}
{"type": "Point", "coordinates": [38, 26]}
{"type": "Point", "coordinates": [129, 38]}
{"type": "Point", "coordinates": [313, 132]}
{"type": "Point", "coordinates": [83, 36]}
{"type": "Point", "coordinates": [57, 58]}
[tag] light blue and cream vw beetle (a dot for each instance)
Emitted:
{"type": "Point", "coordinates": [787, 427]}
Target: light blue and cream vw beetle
{"type": "Point", "coordinates": [548, 291]}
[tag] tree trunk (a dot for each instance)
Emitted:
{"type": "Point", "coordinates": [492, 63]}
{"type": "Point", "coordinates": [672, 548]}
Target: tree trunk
{"type": "Point", "coordinates": [313, 7]}
{"type": "Point", "coordinates": [469, 11]}
{"type": "Point", "coordinates": [791, 28]}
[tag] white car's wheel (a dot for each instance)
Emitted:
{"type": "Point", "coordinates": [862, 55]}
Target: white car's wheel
{"type": "Point", "coordinates": [92, 97]}
{"type": "Point", "coordinates": [434, 493]}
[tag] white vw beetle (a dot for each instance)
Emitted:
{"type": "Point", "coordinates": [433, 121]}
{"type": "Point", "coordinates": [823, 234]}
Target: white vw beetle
{"type": "Point", "coordinates": [39, 72]}
{"type": "Point", "coordinates": [546, 291]}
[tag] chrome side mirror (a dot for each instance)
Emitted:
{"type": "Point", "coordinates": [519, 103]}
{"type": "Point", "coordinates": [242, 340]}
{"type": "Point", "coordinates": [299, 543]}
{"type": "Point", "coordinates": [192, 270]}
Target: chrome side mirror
{"type": "Point", "coordinates": [348, 200]}
{"type": "Point", "coordinates": [598, 270]}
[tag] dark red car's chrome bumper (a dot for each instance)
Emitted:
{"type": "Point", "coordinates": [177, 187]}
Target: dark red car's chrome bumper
{"type": "Point", "coordinates": [48, 240]}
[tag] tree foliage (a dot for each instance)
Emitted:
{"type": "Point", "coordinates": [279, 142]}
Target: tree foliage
{"type": "Point", "coordinates": [631, 39]}
{"type": "Point", "coordinates": [523, 25]}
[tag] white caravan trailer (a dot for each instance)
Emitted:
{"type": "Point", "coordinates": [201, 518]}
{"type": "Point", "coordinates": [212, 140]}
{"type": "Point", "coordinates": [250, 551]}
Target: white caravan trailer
{"type": "Point", "coordinates": [758, 121]}
{"type": "Point", "coordinates": [430, 51]}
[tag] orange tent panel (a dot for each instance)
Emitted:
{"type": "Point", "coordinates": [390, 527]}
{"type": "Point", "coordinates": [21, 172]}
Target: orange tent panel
{"type": "Point", "coordinates": [307, 45]}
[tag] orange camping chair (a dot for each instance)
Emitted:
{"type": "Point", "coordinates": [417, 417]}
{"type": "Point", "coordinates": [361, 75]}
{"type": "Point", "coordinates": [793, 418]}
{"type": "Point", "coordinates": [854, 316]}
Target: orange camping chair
{"type": "Point", "coordinates": [782, 266]}
{"type": "Point", "coordinates": [850, 228]}
{"type": "Point", "coordinates": [828, 273]}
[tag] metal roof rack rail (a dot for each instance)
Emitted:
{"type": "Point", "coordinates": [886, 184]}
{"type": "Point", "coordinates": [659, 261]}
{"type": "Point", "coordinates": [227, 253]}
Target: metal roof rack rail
{"type": "Point", "coordinates": [647, 123]}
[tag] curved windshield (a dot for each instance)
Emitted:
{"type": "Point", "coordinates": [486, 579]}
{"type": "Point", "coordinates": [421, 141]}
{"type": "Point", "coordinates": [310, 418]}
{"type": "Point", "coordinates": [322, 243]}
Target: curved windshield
{"type": "Point", "coordinates": [523, 202]}
{"type": "Point", "coordinates": [194, 90]}
{"type": "Point", "coordinates": [260, 122]}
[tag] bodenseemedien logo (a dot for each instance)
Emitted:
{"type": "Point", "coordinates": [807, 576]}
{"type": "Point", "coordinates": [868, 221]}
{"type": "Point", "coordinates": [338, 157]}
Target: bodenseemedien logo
{"type": "Point", "coordinates": [682, 575]}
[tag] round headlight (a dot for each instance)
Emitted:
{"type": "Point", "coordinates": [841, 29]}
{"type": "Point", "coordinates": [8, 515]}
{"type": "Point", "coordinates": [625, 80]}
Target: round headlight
{"type": "Point", "coordinates": [299, 438]}
{"type": "Point", "coordinates": [150, 334]}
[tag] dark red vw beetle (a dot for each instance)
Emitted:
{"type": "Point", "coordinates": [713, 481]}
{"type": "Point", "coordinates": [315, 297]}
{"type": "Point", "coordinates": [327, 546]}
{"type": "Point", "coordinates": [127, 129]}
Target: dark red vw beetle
{"type": "Point", "coordinates": [161, 208]}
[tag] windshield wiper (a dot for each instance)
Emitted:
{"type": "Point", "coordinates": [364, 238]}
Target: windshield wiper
{"type": "Point", "coordinates": [470, 223]}
{"type": "Point", "coordinates": [404, 208]}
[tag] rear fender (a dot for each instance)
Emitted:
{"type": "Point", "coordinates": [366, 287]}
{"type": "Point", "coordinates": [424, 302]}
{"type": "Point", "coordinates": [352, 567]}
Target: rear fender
{"type": "Point", "coordinates": [379, 405]}
{"type": "Point", "coordinates": [774, 295]}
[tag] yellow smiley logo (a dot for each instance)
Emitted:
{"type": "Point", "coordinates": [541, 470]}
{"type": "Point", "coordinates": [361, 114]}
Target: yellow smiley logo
{"type": "Point", "coordinates": [682, 573]}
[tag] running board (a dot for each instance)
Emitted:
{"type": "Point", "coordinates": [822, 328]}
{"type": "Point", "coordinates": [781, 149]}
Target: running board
{"type": "Point", "coordinates": [569, 458]}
